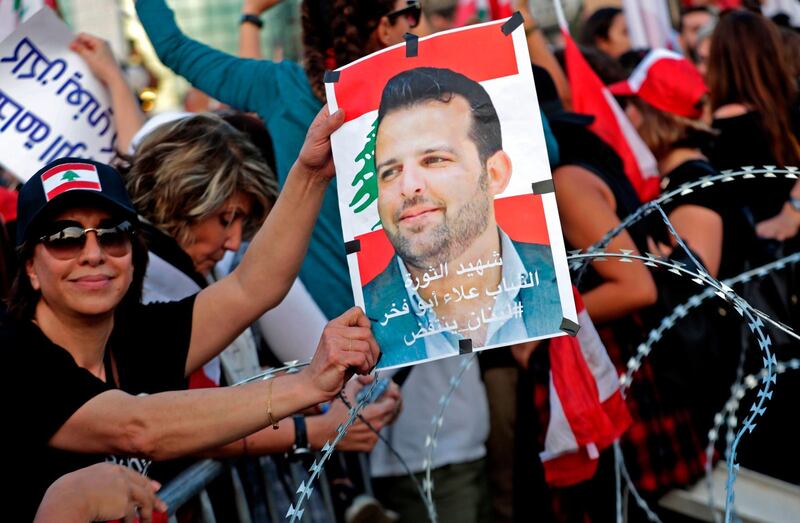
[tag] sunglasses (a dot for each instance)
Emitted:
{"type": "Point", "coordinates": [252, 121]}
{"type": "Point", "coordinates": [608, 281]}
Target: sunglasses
{"type": "Point", "coordinates": [68, 242]}
{"type": "Point", "coordinates": [411, 13]}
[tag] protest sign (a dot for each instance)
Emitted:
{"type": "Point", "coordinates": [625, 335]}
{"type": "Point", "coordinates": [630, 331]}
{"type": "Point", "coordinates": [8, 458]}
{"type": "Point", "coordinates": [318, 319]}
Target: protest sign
{"type": "Point", "coordinates": [51, 106]}
{"type": "Point", "coordinates": [450, 221]}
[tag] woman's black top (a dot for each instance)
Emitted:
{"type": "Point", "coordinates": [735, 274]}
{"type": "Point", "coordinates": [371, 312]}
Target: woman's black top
{"type": "Point", "coordinates": [743, 142]}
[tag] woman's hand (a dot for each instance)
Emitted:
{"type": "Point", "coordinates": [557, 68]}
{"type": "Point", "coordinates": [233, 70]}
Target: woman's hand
{"type": "Point", "coordinates": [360, 437]}
{"type": "Point", "coordinates": [781, 227]}
{"type": "Point", "coordinates": [102, 492]}
{"type": "Point", "coordinates": [346, 347]}
{"type": "Point", "coordinates": [98, 56]}
{"type": "Point", "coordinates": [316, 157]}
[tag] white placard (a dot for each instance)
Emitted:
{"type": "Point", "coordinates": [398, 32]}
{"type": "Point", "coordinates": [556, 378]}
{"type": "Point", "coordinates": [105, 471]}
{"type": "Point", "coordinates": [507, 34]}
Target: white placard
{"type": "Point", "coordinates": [51, 106]}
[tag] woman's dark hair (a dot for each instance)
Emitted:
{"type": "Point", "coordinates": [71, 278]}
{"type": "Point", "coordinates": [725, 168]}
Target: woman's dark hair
{"type": "Point", "coordinates": [597, 26]}
{"type": "Point", "coordinates": [23, 297]}
{"type": "Point", "coordinates": [746, 65]}
{"type": "Point", "coordinates": [336, 32]}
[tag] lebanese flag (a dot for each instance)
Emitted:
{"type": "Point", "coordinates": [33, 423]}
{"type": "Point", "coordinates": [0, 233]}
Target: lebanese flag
{"type": "Point", "coordinates": [590, 96]}
{"type": "Point", "coordinates": [69, 176]}
{"type": "Point", "coordinates": [587, 410]}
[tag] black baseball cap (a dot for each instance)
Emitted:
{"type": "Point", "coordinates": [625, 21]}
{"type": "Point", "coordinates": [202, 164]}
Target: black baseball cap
{"type": "Point", "coordinates": [66, 183]}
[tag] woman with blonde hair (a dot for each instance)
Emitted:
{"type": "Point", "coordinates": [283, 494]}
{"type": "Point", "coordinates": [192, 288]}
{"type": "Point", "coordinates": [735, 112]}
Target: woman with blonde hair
{"type": "Point", "coordinates": [200, 188]}
{"type": "Point", "coordinates": [103, 359]}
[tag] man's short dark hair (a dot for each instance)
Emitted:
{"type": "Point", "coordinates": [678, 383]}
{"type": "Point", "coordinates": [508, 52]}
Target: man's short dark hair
{"type": "Point", "coordinates": [424, 84]}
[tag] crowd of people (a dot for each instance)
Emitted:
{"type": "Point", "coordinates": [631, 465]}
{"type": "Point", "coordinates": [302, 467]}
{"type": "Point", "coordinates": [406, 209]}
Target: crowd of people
{"type": "Point", "coordinates": [211, 248]}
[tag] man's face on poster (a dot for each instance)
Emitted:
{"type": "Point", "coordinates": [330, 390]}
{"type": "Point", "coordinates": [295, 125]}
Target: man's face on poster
{"type": "Point", "coordinates": [435, 195]}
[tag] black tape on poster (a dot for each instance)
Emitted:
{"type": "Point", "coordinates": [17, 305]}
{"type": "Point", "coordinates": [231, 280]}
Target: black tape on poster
{"type": "Point", "coordinates": [465, 346]}
{"type": "Point", "coordinates": [513, 22]}
{"type": "Point", "coordinates": [543, 187]}
{"type": "Point", "coordinates": [352, 246]}
{"type": "Point", "coordinates": [331, 77]}
{"type": "Point", "coordinates": [570, 327]}
{"type": "Point", "coordinates": [412, 45]}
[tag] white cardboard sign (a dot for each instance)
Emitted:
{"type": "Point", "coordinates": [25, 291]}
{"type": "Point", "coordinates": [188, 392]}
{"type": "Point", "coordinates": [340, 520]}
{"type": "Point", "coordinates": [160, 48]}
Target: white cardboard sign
{"type": "Point", "coordinates": [51, 106]}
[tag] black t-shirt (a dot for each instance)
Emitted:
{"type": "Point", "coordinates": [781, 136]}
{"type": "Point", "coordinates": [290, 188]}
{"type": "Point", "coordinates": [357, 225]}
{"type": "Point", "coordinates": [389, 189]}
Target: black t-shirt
{"type": "Point", "coordinates": [43, 387]}
{"type": "Point", "coordinates": [737, 232]}
{"type": "Point", "coordinates": [743, 142]}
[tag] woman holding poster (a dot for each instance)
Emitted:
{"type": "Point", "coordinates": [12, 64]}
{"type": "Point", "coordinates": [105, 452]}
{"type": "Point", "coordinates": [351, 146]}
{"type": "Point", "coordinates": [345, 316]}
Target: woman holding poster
{"type": "Point", "coordinates": [103, 359]}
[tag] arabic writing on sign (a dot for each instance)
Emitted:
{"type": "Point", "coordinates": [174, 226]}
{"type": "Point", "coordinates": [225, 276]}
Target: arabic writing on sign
{"type": "Point", "coordinates": [50, 104]}
{"type": "Point", "coordinates": [513, 310]}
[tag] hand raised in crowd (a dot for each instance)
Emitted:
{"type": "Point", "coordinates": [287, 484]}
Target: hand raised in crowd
{"type": "Point", "coordinates": [316, 157]}
{"type": "Point", "coordinates": [98, 56]}
{"type": "Point", "coordinates": [346, 347]}
{"type": "Point", "coordinates": [256, 7]}
{"type": "Point", "coordinates": [781, 227]}
{"type": "Point", "coordinates": [101, 492]}
{"type": "Point", "coordinates": [360, 437]}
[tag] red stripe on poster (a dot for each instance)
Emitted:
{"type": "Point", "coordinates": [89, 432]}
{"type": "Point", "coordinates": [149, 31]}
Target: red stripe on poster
{"type": "Point", "coordinates": [521, 217]}
{"type": "Point", "coordinates": [480, 53]}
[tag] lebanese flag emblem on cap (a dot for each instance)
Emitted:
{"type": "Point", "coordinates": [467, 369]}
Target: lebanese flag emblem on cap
{"type": "Point", "coordinates": [70, 176]}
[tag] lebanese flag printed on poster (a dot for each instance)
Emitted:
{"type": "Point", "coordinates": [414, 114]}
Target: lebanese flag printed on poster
{"type": "Point", "coordinates": [358, 92]}
{"type": "Point", "coordinates": [69, 176]}
{"type": "Point", "coordinates": [587, 410]}
{"type": "Point", "coordinates": [590, 96]}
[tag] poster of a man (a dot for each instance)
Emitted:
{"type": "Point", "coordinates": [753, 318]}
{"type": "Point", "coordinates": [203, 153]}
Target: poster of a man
{"type": "Point", "coordinates": [440, 163]}
{"type": "Point", "coordinates": [451, 263]}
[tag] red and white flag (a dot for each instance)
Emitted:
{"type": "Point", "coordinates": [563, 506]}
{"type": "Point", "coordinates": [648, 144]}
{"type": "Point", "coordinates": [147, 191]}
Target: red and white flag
{"type": "Point", "coordinates": [587, 410]}
{"type": "Point", "coordinates": [591, 96]}
{"type": "Point", "coordinates": [69, 176]}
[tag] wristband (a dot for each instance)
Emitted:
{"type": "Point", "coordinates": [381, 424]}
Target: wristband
{"type": "Point", "coordinates": [795, 203]}
{"type": "Point", "coordinates": [251, 19]}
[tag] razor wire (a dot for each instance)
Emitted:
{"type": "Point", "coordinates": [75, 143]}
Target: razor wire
{"type": "Point", "coordinates": [580, 259]}
{"type": "Point", "coordinates": [700, 277]}
{"type": "Point", "coordinates": [429, 507]}
{"type": "Point", "coordinates": [305, 489]}
{"type": "Point", "coordinates": [727, 416]}
{"type": "Point", "coordinates": [726, 176]}
{"type": "Point", "coordinates": [436, 424]}
{"type": "Point", "coordinates": [714, 287]}
{"type": "Point", "coordinates": [756, 327]}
